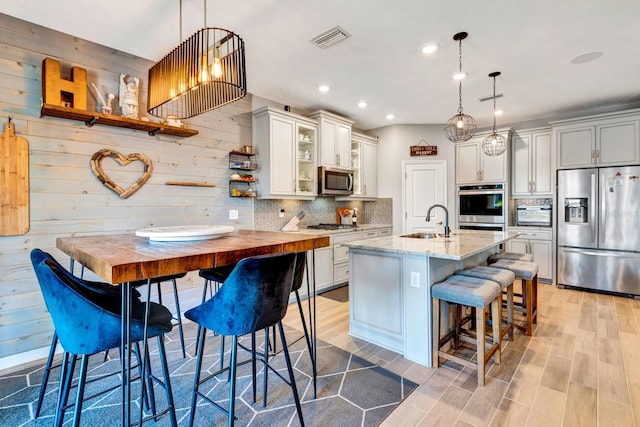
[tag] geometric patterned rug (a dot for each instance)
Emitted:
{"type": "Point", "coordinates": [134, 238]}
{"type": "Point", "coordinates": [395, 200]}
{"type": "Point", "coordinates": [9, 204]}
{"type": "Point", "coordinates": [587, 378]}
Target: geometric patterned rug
{"type": "Point", "coordinates": [350, 390]}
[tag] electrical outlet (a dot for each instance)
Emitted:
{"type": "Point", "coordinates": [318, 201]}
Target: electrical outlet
{"type": "Point", "coordinates": [281, 213]}
{"type": "Point", "coordinates": [233, 214]}
{"type": "Point", "coordinates": [415, 279]}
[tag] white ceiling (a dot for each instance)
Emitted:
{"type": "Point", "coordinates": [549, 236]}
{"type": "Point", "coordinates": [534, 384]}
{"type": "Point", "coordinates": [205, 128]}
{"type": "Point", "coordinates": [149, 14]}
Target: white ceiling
{"type": "Point", "coordinates": [530, 42]}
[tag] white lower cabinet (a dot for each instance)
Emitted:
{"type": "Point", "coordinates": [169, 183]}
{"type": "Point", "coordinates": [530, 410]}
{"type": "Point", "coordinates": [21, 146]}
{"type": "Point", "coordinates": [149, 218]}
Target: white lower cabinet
{"type": "Point", "coordinates": [324, 267]}
{"type": "Point", "coordinates": [341, 255]}
{"type": "Point", "coordinates": [539, 244]}
{"type": "Point", "coordinates": [332, 262]}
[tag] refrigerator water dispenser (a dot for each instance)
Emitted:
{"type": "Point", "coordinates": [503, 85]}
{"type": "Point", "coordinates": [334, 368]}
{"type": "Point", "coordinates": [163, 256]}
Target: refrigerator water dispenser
{"type": "Point", "coordinates": [576, 210]}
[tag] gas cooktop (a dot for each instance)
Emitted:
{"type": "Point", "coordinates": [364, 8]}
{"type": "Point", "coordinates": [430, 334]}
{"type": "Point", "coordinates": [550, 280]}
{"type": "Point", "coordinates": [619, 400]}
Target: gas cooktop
{"type": "Point", "coordinates": [331, 226]}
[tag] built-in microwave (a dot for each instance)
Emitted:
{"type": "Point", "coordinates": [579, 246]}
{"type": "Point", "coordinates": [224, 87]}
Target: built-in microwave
{"type": "Point", "coordinates": [531, 215]}
{"type": "Point", "coordinates": [335, 181]}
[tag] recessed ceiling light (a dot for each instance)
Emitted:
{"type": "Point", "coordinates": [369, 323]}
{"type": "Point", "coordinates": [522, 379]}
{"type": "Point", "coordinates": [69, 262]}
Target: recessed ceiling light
{"type": "Point", "coordinates": [587, 57]}
{"type": "Point", "coordinates": [498, 112]}
{"type": "Point", "coordinates": [362, 104]}
{"type": "Point", "coordinates": [460, 75]}
{"type": "Point", "coordinates": [324, 88]}
{"type": "Point", "coordinates": [429, 48]}
{"type": "Point", "coordinates": [391, 116]}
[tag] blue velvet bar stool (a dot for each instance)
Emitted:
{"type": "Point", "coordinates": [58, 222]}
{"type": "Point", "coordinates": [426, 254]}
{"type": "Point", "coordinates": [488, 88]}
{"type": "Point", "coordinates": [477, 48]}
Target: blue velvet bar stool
{"type": "Point", "coordinates": [213, 279]}
{"type": "Point", "coordinates": [108, 294]}
{"type": "Point", "coordinates": [75, 312]}
{"type": "Point", "coordinates": [505, 279]}
{"type": "Point", "coordinates": [173, 279]}
{"type": "Point", "coordinates": [255, 296]}
{"type": "Point", "coordinates": [527, 272]}
{"type": "Point", "coordinates": [480, 294]}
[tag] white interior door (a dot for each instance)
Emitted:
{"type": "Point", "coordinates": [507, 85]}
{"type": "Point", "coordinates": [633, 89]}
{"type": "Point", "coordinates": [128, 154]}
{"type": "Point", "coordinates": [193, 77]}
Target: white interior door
{"type": "Point", "coordinates": [425, 184]}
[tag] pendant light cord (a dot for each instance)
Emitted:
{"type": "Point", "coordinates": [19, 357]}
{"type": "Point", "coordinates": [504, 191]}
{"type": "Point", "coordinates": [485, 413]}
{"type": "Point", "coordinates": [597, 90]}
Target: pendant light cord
{"type": "Point", "coordinates": [494, 104]}
{"type": "Point", "coordinates": [460, 81]}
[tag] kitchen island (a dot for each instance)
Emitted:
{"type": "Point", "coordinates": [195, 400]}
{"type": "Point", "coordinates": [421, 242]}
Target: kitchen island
{"type": "Point", "coordinates": [390, 285]}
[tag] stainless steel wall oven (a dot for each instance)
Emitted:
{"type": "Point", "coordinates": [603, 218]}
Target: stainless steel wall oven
{"type": "Point", "coordinates": [481, 207]}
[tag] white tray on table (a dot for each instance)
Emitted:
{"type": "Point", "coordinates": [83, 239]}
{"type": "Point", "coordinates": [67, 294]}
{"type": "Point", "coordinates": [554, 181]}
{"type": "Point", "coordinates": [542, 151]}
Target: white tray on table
{"type": "Point", "coordinates": [182, 233]}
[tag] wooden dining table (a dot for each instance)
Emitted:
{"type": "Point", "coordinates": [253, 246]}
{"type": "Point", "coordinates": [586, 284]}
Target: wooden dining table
{"type": "Point", "coordinates": [125, 258]}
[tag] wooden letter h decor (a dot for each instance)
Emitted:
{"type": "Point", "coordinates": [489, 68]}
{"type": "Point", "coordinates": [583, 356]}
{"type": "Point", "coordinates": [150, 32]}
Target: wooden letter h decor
{"type": "Point", "coordinates": [59, 91]}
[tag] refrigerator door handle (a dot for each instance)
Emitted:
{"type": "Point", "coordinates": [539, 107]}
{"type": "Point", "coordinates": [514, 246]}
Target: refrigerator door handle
{"type": "Point", "coordinates": [629, 255]}
{"type": "Point", "coordinates": [603, 210]}
{"type": "Point", "coordinates": [592, 203]}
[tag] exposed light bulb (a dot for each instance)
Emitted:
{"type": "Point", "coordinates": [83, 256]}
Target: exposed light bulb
{"type": "Point", "coordinates": [204, 72]}
{"type": "Point", "coordinates": [460, 122]}
{"type": "Point", "coordinates": [217, 65]}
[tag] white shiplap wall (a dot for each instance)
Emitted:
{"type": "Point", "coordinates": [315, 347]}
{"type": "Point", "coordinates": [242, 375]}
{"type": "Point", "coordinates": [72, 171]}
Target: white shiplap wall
{"type": "Point", "coordinates": [66, 198]}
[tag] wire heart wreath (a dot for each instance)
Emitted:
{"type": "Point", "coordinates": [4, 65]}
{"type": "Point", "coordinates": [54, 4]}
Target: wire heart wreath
{"type": "Point", "coordinates": [96, 167]}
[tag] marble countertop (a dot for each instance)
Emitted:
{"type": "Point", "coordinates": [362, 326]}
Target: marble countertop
{"type": "Point", "coordinates": [459, 245]}
{"type": "Point", "coordinates": [362, 227]}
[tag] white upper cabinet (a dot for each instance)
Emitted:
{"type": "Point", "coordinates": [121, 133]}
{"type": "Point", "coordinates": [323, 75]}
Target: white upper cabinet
{"type": "Point", "coordinates": [286, 147]}
{"type": "Point", "coordinates": [604, 140]}
{"type": "Point", "coordinates": [364, 160]}
{"type": "Point", "coordinates": [532, 163]}
{"type": "Point", "coordinates": [334, 140]}
{"type": "Point", "coordinates": [473, 166]}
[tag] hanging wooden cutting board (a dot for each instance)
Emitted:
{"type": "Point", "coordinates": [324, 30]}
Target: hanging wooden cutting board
{"type": "Point", "coordinates": [14, 183]}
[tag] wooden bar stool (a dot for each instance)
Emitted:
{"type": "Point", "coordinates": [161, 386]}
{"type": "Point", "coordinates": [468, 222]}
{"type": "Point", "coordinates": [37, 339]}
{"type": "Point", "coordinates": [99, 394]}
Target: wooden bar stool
{"type": "Point", "coordinates": [527, 272]}
{"type": "Point", "coordinates": [479, 294]}
{"type": "Point", "coordinates": [505, 279]}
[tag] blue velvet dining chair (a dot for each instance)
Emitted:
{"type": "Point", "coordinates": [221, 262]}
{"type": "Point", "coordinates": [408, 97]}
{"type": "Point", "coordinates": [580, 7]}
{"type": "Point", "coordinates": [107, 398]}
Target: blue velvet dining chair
{"type": "Point", "coordinates": [87, 323]}
{"type": "Point", "coordinates": [174, 281]}
{"type": "Point", "coordinates": [109, 295]}
{"type": "Point", "coordinates": [255, 296]}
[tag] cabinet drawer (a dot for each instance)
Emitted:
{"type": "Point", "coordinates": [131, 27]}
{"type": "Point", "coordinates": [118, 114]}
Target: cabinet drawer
{"type": "Point", "coordinates": [370, 234]}
{"type": "Point", "coordinates": [341, 273]}
{"type": "Point", "coordinates": [347, 237]}
{"type": "Point", "coordinates": [535, 235]}
{"type": "Point", "coordinates": [340, 253]}
{"type": "Point", "coordinates": [384, 232]}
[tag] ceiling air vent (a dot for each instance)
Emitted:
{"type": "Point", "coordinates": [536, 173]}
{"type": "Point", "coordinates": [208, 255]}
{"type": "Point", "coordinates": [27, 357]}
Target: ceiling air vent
{"type": "Point", "coordinates": [330, 37]}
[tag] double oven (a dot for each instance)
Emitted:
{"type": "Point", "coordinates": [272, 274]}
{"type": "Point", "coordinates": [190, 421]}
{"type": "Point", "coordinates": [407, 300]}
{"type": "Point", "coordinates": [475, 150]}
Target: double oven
{"type": "Point", "coordinates": [482, 207]}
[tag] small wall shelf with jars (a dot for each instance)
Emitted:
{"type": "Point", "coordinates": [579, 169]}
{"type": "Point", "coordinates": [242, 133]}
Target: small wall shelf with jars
{"type": "Point", "coordinates": [242, 184]}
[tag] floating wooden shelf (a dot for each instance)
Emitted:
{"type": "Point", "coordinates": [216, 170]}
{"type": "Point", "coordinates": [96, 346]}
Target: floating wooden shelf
{"type": "Point", "coordinates": [90, 118]}
{"type": "Point", "coordinates": [190, 184]}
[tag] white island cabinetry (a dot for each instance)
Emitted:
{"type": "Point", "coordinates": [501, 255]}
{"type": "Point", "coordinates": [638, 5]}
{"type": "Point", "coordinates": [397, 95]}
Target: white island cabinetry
{"type": "Point", "coordinates": [390, 283]}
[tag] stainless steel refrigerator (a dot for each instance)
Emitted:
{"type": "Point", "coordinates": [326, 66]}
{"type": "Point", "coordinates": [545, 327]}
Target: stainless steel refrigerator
{"type": "Point", "coordinates": [599, 229]}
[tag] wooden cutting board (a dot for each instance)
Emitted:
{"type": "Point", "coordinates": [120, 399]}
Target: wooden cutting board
{"type": "Point", "coordinates": [14, 183]}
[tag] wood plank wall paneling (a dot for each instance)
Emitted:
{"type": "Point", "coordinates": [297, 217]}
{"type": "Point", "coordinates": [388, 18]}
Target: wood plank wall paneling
{"type": "Point", "coordinates": [65, 196]}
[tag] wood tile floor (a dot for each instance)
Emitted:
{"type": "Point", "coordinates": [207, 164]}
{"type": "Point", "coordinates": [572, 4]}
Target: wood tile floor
{"type": "Point", "coordinates": [581, 368]}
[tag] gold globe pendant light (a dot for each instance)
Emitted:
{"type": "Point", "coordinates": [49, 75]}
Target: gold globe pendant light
{"type": "Point", "coordinates": [460, 127]}
{"type": "Point", "coordinates": [205, 72]}
{"type": "Point", "coordinates": [495, 144]}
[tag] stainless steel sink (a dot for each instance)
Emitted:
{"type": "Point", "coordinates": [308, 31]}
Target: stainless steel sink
{"type": "Point", "coordinates": [424, 236]}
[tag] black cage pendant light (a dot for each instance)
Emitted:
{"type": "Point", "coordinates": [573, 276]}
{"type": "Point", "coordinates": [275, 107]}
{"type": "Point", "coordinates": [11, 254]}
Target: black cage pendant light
{"type": "Point", "coordinates": [460, 127]}
{"type": "Point", "coordinates": [495, 144]}
{"type": "Point", "coordinates": [205, 72]}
